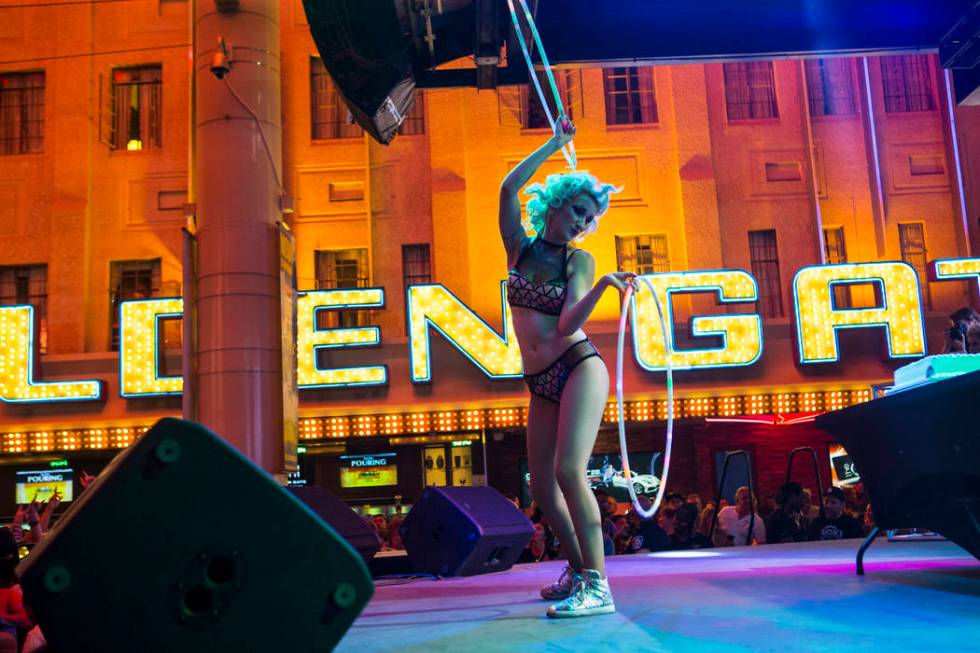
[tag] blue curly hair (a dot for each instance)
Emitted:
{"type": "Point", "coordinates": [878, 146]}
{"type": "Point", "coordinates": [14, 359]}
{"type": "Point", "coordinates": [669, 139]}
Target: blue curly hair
{"type": "Point", "coordinates": [560, 188]}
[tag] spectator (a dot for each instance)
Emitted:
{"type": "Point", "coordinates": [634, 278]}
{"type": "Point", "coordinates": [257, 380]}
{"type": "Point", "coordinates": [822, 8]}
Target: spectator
{"type": "Point", "coordinates": [380, 525]}
{"type": "Point", "coordinates": [808, 510]}
{"type": "Point", "coordinates": [734, 521]}
{"type": "Point", "coordinates": [868, 520]}
{"type": "Point", "coordinates": [684, 536]}
{"type": "Point", "coordinates": [665, 520]}
{"type": "Point", "coordinates": [674, 500]}
{"type": "Point", "coordinates": [705, 518]}
{"type": "Point", "coordinates": [786, 523]}
{"type": "Point", "coordinates": [835, 524]}
{"type": "Point", "coordinates": [13, 616]}
{"type": "Point", "coordinates": [606, 509]}
{"type": "Point", "coordinates": [963, 335]}
{"type": "Point", "coordinates": [621, 540]}
{"type": "Point", "coordinates": [612, 506]}
{"type": "Point", "coordinates": [552, 549]}
{"type": "Point", "coordinates": [394, 534]}
{"type": "Point", "coordinates": [32, 520]}
{"type": "Point", "coordinates": [694, 499]}
{"type": "Point", "coordinates": [856, 500]}
{"type": "Point", "coordinates": [647, 535]}
{"type": "Point", "coordinates": [536, 548]}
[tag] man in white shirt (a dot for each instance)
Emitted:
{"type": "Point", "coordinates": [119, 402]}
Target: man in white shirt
{"type": "Point", "coordinates": [733, 521]}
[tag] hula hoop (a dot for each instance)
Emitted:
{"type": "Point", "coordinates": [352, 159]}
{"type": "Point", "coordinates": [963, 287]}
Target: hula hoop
{"type": "Point", "coordinates": [627, 302]}
{"type": "Point", "coordinates": [568, 150]}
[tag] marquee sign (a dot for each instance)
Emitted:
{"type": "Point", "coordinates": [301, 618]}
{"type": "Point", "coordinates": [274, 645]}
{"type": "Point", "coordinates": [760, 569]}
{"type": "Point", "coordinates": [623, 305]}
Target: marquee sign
{"type": "Point", "coordinates": [434, 308]}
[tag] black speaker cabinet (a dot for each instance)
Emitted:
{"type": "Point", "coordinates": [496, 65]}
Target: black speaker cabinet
{"type": "Point", "coordinates": [331, 509]}
{"type": "Point", "coordinates": [918, 455]}
{"type": "Point", "coordinates": [182, 544]}
{"type": "Point", "coordinates": [462, 531]}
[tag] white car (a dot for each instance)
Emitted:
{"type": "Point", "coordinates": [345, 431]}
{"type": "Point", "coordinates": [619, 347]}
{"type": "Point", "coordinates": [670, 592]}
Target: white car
{"type": "Point", "coordinates": [642, 483]}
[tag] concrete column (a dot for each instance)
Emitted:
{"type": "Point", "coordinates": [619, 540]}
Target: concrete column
{"type": "Point", "coordinates": [236, 179]}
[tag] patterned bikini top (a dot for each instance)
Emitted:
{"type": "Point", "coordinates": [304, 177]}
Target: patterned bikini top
{"type": "Point", "coordinates": [543, 262]}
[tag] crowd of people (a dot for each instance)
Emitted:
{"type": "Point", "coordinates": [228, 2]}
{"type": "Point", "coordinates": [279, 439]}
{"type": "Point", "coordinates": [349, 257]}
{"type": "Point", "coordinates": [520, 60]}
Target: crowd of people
{"type": "Point", "coordinates": [684, 523]}
{"type": "Point", "coordinates": [18, 628]}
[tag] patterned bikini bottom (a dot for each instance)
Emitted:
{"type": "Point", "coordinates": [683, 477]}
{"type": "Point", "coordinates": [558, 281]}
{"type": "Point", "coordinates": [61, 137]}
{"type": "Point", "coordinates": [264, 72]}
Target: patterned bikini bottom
{"type": "Point", "coordinates": [550, 383]}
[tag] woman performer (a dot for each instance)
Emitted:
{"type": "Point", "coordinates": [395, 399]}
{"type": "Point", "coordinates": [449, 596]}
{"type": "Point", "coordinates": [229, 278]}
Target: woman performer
{"type": "Point", "coordinates": [550, 289]}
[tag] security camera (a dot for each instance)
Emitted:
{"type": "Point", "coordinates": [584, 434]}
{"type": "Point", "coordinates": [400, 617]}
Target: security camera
{"type": "Point", "coordinates": [221, 60]}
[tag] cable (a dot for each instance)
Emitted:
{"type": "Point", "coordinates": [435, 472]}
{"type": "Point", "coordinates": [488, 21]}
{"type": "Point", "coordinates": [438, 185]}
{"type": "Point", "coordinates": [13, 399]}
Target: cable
{"type": "Point", "coordinates": [390, 580]}
{"type": "Point", "coordinates": [569, 150]}
{"type": "Point", "coordinates": [627, 301]}
{"type": "Point", "coordinates": [64, 3]}
{"type": "Point", "coordinates": [258, 124]}
{"type": "Point", "coordinates": [94, 54]}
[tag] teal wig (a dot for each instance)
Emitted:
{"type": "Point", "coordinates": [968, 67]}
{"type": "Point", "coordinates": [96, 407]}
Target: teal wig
{"type": "Point", "coordinates": [560, 188]}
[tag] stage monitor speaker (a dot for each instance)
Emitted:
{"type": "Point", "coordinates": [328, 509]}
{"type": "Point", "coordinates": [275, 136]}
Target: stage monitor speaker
{"type": "Point", "coordinates": [919, 456]}
{"type": "Point", "coordinates": [462, 531]}
{"type": "Point", "coordinates": [182, 544]}
{"type": "Point", "coordinates": [332, 509]}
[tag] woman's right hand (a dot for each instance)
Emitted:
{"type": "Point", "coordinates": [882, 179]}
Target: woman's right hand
{"type": "Point", "coordinates": [564, 132]}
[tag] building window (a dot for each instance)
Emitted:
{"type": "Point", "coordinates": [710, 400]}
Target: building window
{"type": "Point", "coordinates": [830, 87]}
{"type": "Point", "coordinates": [414, 122]}
{"type": "Point", "coordinates": [765, 269]}
{"type": "Point", "coordinates": [907, 83]}
{"type": "Point", "coordinates": [130, 280]}
{"type": "Point", "coordinates": [330, 117]}
{"type": "Point", "coordinates": [28, 284]}
{"type": "Point", "coordinates": [835, 252]}
{"type": "Point", "coordinates": [137, 101]}
{"type": "Point", "coordinates": [338, 269]}
{"type": "Point", "coordinates": [912, 239]}
{"type": "Point", "coordinates": [533, 115]}
{"type": "Point", "coordinates": [416, 265]}
{"type": "Point", "coordinates": [750, 90]}
{"type": "Point", "coordinates": [21, 112]}
{"type": "Point", "coordinates": [646, 254]}
{"type": "Point", "coordinates": [630, 96]}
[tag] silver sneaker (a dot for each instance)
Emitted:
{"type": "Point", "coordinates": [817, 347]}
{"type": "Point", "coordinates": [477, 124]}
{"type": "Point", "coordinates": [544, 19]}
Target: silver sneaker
{"type": "Point", "coordinates": [589, 596]}
{"type": "Point", "coordinates": [562, 587]}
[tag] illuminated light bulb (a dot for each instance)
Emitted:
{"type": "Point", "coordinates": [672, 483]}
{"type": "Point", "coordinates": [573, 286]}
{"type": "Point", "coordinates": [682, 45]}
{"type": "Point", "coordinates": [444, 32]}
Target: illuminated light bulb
{"type": "Point", "coordinates": [433, 306]}
{"type": "Point", "coordinates": [310, 339]}
{"type": "Point", "coordinates": [17, 351]}
{"type": "Point", "coordinates": [139, 344]}
{"type": "Point", "coordinates": [741, 334]}
{"type": "Point", "coordinates": [817, 321]}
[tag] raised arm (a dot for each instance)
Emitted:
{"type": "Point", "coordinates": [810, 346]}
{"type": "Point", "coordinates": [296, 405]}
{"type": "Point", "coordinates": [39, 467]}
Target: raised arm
{"type": "Point", "coordinates": [511, 230]}
{"type": "Point", "coordinates": [581, 296]}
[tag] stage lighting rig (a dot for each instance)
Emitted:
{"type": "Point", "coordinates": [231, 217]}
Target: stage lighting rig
{"type": "Point", "coordinates": [379, 51]}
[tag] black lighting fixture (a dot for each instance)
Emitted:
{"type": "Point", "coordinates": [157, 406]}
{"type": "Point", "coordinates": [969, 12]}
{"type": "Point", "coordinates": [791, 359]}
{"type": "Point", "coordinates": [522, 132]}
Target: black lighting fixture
{"type": "Point", "coordinates": [379, 51]}
{"type": "Point", "coordinates": [959, 51]}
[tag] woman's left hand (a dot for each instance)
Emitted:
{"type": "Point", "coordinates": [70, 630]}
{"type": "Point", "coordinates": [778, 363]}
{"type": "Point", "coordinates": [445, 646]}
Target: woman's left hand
{"type": "Point", "coordinates": [619, 280]}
